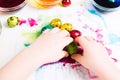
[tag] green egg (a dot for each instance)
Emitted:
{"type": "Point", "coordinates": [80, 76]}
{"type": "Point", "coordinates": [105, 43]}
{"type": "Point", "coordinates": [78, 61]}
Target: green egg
{"type": "Point", "coordinates": [13, 21]}
{"type": "Point", "coordinates": [56, 22]}
{"type": "Point", "coordinates": [67, 26]}
{"type": "Point", "coordinates": [72, 48]}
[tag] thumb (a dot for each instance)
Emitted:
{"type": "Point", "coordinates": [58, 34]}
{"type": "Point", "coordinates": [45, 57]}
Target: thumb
{"type": "Point", "coordinates": [77, 57]}
{"type": "Point", "coordinates": [63, 54]}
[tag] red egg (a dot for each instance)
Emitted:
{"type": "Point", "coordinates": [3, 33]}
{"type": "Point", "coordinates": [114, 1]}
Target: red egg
{"type": "Point", "coordinates": [75, 33]}
{"type": "Point", "coordinates": [66, 3]}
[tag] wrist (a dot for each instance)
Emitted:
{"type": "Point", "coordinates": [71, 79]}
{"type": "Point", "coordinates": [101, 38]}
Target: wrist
{"type": "Point", "coordinates": [33, 57]}
{"type": "Point", "coordinates": [108, 71]}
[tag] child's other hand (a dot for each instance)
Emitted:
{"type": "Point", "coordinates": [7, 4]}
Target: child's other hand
{"type": "Point", "coordinates": [94, 55]}
{"type": "Point", "coordinates": [49, 46]}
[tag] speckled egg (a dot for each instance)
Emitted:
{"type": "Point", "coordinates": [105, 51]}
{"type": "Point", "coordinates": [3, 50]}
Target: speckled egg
{"type": "Point", "coordinates": [13, 21]}
{"type": "Point", "coordinates": [75, 33]}
{"type": "Point", "coordinates": [72, 48]}
{"type": "Point", "coordinates": [66, 3]}
{"type": "Point", "coordinates": [56, 22]}
{"type": "Point", "coordinates": [67, 26]}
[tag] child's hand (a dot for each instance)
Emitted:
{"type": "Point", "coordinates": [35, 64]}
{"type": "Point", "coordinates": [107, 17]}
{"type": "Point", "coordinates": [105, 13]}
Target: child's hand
{"type": "Point", "coordinates": [49, 46]}
{"type": "Point", "coordinates": [94, 55]}
{"type": "Point", "coordinates": [95, 58]}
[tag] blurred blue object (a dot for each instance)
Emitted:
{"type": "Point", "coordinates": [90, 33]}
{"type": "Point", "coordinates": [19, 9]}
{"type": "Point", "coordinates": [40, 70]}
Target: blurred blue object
{"type": "Point", "coordinates": [106, 5]}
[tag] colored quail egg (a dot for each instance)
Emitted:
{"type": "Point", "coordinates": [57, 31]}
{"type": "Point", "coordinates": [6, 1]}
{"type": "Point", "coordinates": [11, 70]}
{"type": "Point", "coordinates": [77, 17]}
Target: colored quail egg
{"type": "Point", "coordinates": [56, 22]}
{"type": "Point", "coordinates": [67, 26]}
{"type": "Point", "coordinates": [72, 48]}
{"type": "Point", "coordinates": [13, 21]}
{"type": "Point", "coordinates": [66, 3]}
{"type": "Point", "coordinates": [75, 33]}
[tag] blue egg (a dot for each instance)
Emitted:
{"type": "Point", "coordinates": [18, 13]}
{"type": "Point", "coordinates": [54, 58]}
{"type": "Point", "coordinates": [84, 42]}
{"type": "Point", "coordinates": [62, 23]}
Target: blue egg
{"type": "Point", "coordinates": [46, 27]}
{"type": "Point", "coordinates": [106, 5]}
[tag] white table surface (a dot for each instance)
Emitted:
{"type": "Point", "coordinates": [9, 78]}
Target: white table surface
{"type": "Point", "coordinates": [8, 36]}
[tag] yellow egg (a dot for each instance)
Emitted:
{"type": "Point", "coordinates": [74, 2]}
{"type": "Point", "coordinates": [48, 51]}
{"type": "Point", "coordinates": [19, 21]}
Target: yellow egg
{"type": "Point", "coordinates": [56, 22]}
{"type": "Point", "coordinates": [67, 26]}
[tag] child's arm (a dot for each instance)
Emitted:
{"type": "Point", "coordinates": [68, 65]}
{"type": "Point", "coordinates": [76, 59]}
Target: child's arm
{"type": "Point", "coordinates": [95, 58]}
{"type": "Point", "coordinates": [47, 48]}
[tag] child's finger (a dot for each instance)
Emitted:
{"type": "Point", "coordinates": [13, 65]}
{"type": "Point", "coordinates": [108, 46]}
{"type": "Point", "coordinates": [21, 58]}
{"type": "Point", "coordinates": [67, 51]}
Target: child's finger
{"type": "Point", "coordinates": [63, 33]}
{"type": "Point", "coordinates": [77, 57]}
{"type": "Point", "coordinates": [83, 41]}
{"type": "Point", "coordinates": [55, 30]}
{"type": "Point", "coordinates": [64, 54]}
{"type": "Point", "coordinates": [67, 40]}
{"type": "Point", "coordinates": [89, 38]}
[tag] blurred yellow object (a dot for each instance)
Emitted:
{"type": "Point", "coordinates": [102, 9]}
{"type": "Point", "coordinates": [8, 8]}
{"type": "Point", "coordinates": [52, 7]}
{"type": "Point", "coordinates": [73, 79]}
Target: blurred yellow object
{"type": "Point", "coordinates": [44, 3]}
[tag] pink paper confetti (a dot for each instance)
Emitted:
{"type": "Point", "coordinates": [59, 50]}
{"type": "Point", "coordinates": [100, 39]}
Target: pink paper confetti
{"type": "Point", "coordinates": [85, 26]}
{"type": "Point", "coordinates": [100, 41]}
{"type": "Point", "coordinates": [90, 28]}
{"type": "Point", "coordinates": [109, 51]}
{"type": "Point", "coordinates": [91, 76]}
{"type": "Point", "coordinates": [99, 36]}
{"type": "Point", "coordinates": [115, 60]}
{"type": "Point", "coordinates": [98, 30]}
{"type": "Point", "coordinates": [32, 22]}
{"type": "Point", "coordinates": [22, 21]}
{"type": "Point", "coordinates": [74, 66]}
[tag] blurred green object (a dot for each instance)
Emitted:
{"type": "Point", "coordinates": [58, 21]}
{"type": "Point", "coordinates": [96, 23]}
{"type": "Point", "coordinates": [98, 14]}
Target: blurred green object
{"type": "Point", "coordinates": [13, 21]}
{"type": "Point", "coordinates": [72, 48]}
{"type": "Point", "coordinates": [46, 27]}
